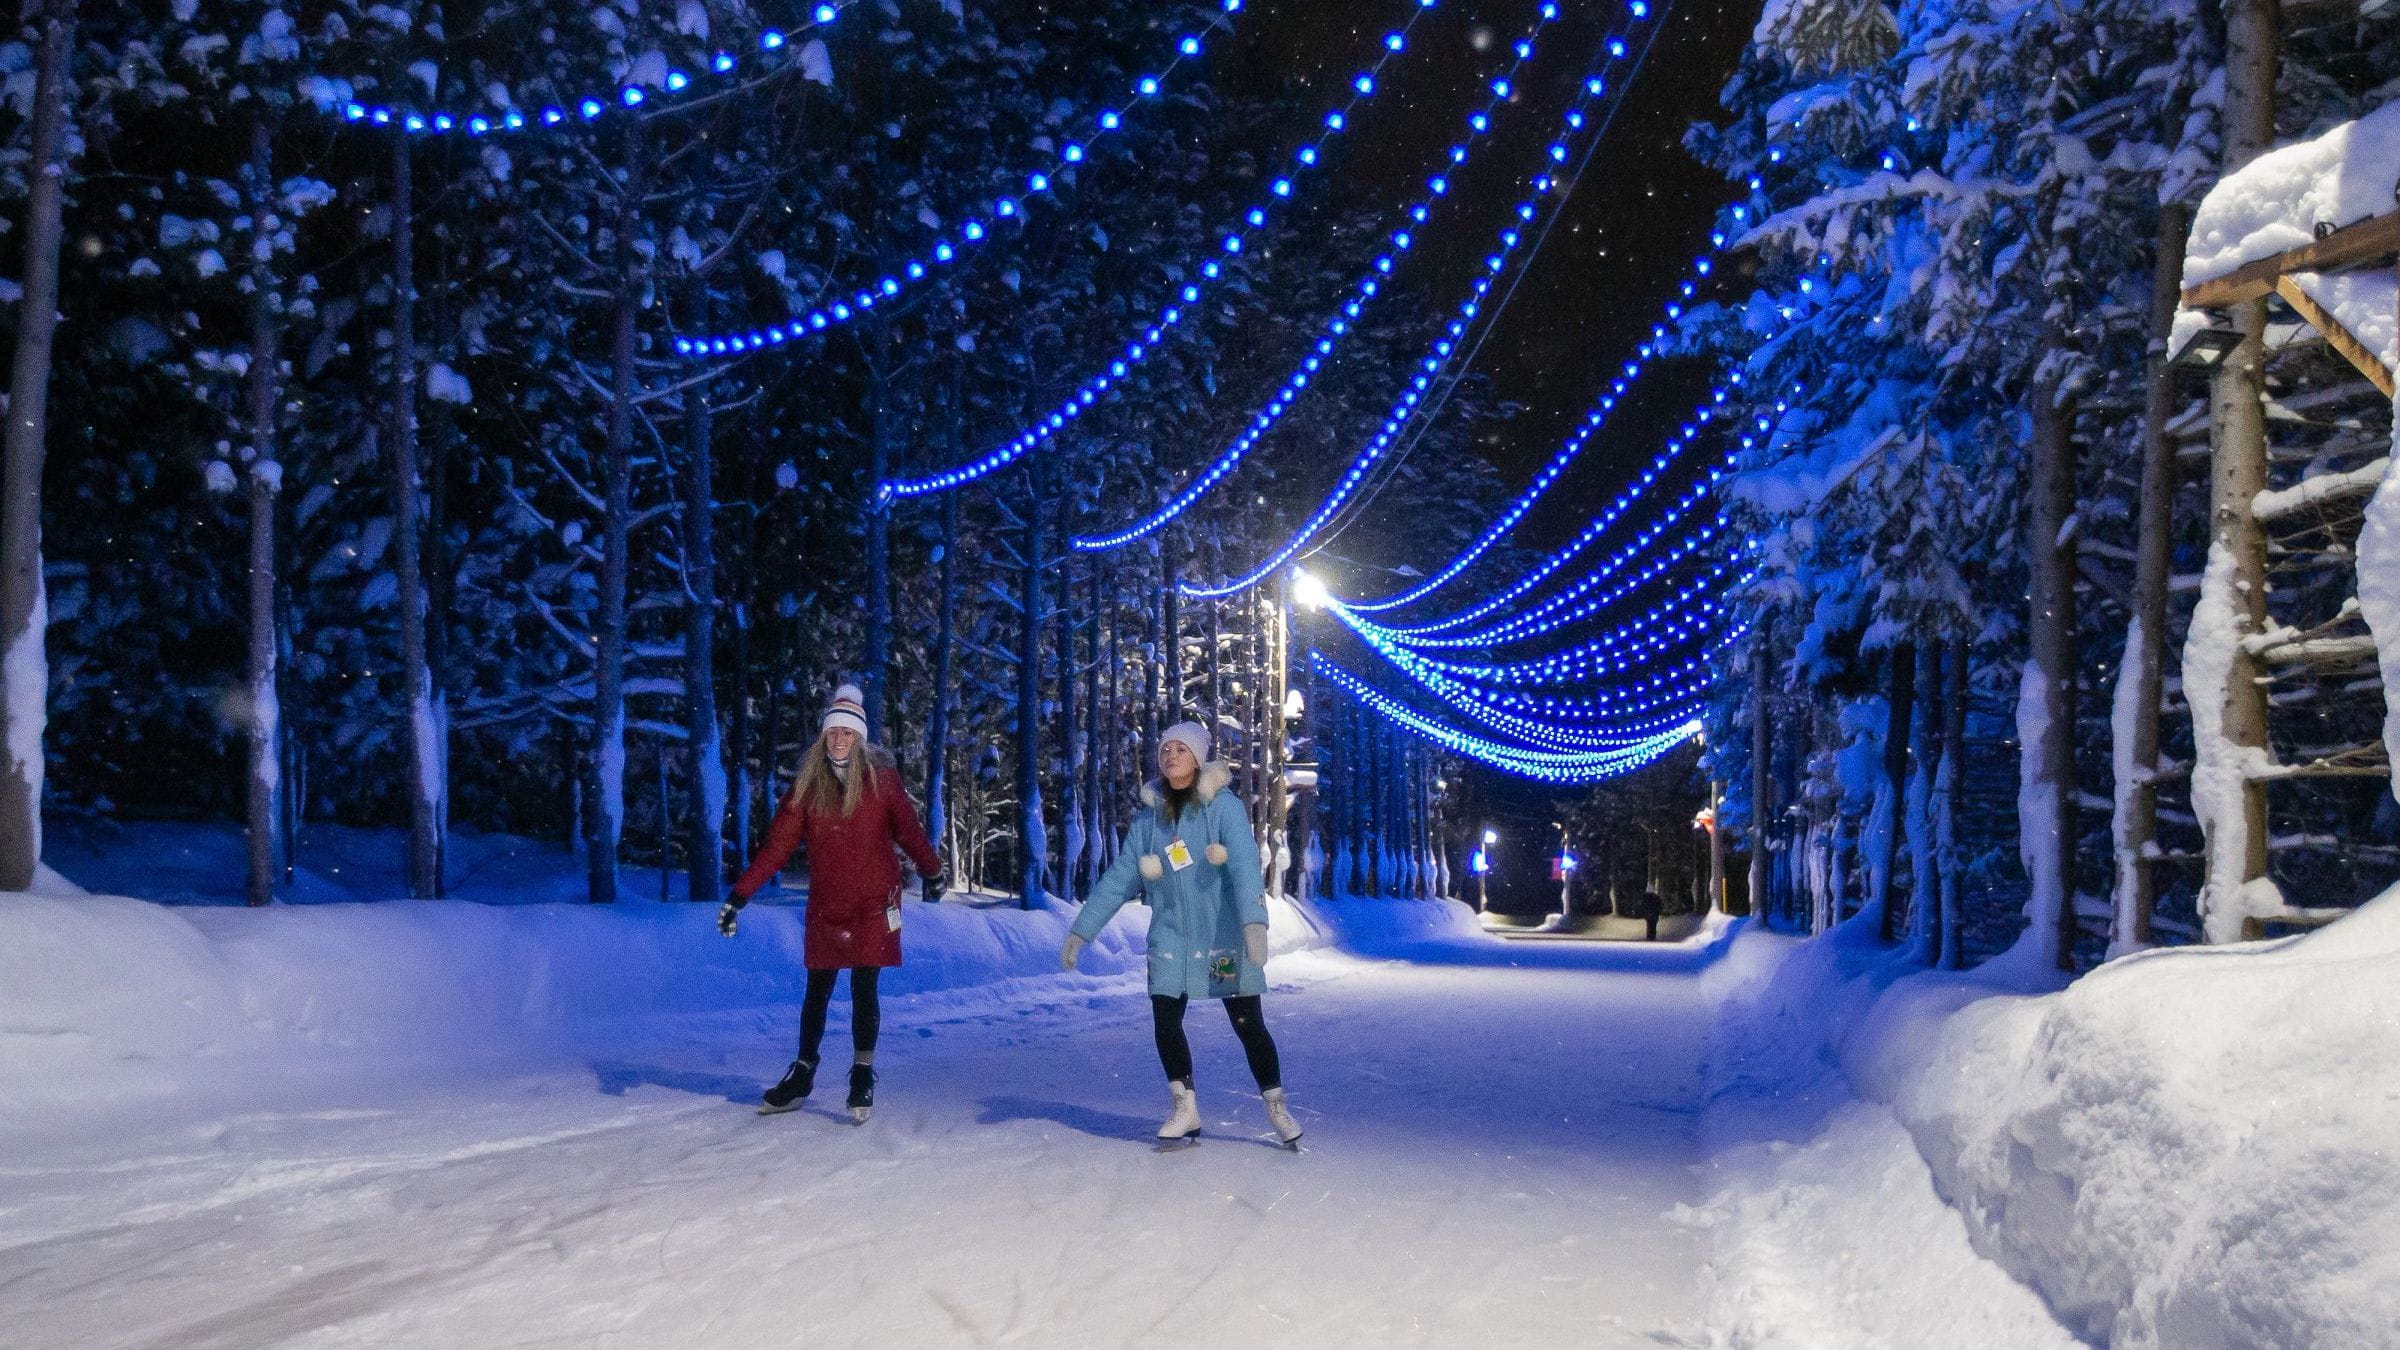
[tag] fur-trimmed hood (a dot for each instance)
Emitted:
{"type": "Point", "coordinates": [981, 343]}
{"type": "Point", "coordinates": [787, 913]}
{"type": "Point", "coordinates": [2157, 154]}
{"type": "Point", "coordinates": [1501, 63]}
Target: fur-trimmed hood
{"type": "Point", "coordinates": [1212, 780]}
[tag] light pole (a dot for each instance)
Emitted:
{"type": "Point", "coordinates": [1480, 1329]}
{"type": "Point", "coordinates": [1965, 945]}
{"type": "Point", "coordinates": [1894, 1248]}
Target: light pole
{"type": "Point", "coordinates": [1483, 870]}
{"type": "Point", "coordinates": [1566, 875]}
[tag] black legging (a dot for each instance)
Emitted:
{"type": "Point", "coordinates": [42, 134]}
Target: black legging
{"type": "Point", "coordinates": [866, 1009]}
{"type": "Point", "coordinates": [1249, 1023]}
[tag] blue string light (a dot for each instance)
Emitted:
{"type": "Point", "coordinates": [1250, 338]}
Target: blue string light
{"type": "Point", "coordinates": [1559, 462]}
{"type": "Point", "coordinates": [1346, 320]}
{"type": "Point", "coordinates": [971, 233]}
{"type": "Point", "coordinates": [1446, 352]}
{"type": "Point", "coordinates": [1565, 767]}
{"type": "Point", "coordinates": [1181, 306]}
{"type": "Point", "coordinates": [591, 106]}
{"type": "Point", "coordinates": [1552, 725]}
{"type": "Point", "coordinates": [1683, 439]}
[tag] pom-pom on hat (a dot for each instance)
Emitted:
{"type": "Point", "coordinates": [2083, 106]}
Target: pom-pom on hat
{"type": "Point", "coordinates": [1193, 735]}
{"type": "Point", "coordinates": [848, 709]}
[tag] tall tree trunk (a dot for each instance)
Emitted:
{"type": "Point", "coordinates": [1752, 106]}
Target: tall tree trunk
{"type": "Point", "coordinates": [24, 606]}
{"type": "Point", "coordinates": [608, 683]}
{"type": "Point", "coordinates": [1070, 748]}
{"type": "Point", "coordinates": [879, 526]}
{"type": "Point", "coordinates": [1762, 779]}
{"type": "Point", "coordinates": [1212, 707]}
{"type": "Point", "coordinates": [2229, 706]}
{"type": "Point", "coordinates": [937, 721]}
{"type": "Point", "coordinates": [1280, 850]}
{"type": "Point", "coordinates": [706, 843]}
{"type": "Point", "coordinates": [2141, 679]}
{"type": "Point", "coordinates": [737, 733]}
{"type": "Point", "coordinates": [263, 817]}
{"type": "Point", "coordinates": [1900, 704]}
{"type": "Point", "coordinates": [1032, 848]}
{"type": "Point", "coordinates": [2046, 794]}
{"type": "Point", "coordinates": [1924, 862]}
{"type": "Point", "coordinates": [425, 778]}
{"type": "Point", "coordinates": [1154, 666]}
{"type": "Point", "coordinates": [1089, 794]}
{"type": "Point", "coordinates": [1171, 619]}
{"type": "Point", "coordinates": [1950, 796]}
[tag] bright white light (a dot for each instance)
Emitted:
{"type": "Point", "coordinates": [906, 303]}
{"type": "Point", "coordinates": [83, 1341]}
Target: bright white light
{"type": "Point", "coordinates": [1309, 589]}
{"type": "Point", "coordinates": [1491, 836]}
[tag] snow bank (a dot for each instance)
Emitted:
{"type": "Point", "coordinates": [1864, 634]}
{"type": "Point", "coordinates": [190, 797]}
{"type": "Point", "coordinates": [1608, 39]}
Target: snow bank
{"type": "Point", "coordinates": [2186, 1149]}
{"type": "Point", "coordinates": [104, 998]}
{"type": "Point", "coordinates": [2275, 202]}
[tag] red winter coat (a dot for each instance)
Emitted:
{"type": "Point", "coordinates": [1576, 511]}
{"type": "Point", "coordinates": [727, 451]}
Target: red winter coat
{"type": "Point", "coordinates": [853, 872]}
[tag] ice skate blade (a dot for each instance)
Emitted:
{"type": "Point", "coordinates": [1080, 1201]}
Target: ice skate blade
{"type": "Point", "coordinates": [1177, 1143]}
{"type": "Point", "coordinates": [771, 1109]}
{"type": "Point", "coordinates": [1291, 1145]}
{"type": "Point", "coordinates": [859, 1114]}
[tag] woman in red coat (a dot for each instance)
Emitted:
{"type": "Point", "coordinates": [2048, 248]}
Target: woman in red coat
{"type": "Point", "coordinates": [849, 808]}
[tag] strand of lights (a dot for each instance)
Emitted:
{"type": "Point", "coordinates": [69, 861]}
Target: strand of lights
{"type": "Point", "coordinates": [1581, 664]}
{"type": "Point", "coordinates": [1683, 439]}
{"type": "Point", "coordinates": [649, 80]}
{"type": "Point", "coordinates": [1444, 354]}
{"type": "Point", "coordinates": [1541, 749]}
{"type": "Point", "coordinates": [971, 233]}
{"type": "Point", "coordinates": [1564, 767]}
{"type": "Point", "coordinates": [1702, 268]}
{"type": "Point", "coordinates": [1692, 593]}
{"type": "Point", "coordinates": [1169, 318]}
{"type": "Point", "coordinates": [1662, 686]}
{"type": "Point", "coordinates": [1434, 408]}
{"type": "Point", "coordinates": [1510, 713]}
{"type": "Point", "coordinates": [1546, 616]}
{"type": "Point", "coordinates": [1559, 463]}
{"type": "Point", "coordinates": [1346, 320]}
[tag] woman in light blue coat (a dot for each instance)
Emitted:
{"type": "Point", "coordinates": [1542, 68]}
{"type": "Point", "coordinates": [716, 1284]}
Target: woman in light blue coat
{"type": "Point", "coordinates": [1191, 856]}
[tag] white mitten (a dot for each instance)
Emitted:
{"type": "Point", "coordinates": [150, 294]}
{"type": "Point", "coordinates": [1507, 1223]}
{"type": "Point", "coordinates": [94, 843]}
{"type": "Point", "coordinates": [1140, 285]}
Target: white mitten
{"type": "Point", "coordinates": [1068, 953]}
{"type": "Point", "coordinates": [1254, 943]}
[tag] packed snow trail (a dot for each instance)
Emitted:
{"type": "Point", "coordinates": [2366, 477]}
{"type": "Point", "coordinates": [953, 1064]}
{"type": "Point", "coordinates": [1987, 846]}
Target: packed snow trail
{"type": "Point", "coordinates": [1495, 1140]}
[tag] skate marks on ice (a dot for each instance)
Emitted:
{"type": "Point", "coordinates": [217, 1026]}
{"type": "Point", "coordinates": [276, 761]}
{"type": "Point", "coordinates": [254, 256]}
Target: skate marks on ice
{"type": "Point", "coordinates": [1504, 1147]}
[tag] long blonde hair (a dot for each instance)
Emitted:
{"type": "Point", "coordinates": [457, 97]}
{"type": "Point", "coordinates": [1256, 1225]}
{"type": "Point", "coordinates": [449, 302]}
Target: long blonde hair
{"type": "Point", "coordinates": [819, 788]}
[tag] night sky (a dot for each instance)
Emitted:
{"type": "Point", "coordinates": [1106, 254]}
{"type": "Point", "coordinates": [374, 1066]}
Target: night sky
{"type": "Point", "coordinates": [1625, 240]}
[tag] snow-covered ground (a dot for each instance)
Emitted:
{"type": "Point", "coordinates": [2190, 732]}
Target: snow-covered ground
{"type": "Point", "coordinates": [446, 1123]}
{"type": "Point", "coordinates": [533, 1126]}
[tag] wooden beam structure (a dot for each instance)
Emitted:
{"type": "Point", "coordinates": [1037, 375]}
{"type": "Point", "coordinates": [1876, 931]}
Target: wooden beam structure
{"type": "Point", "coordinates": [2368, 361]}
{"type": "Point", "coordinates": [2364, 241]}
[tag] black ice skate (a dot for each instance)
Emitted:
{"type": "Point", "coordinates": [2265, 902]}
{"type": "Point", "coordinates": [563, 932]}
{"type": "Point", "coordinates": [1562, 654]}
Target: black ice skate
{"type": "Point", "coordinates": [786, 1095]}
{"type": "Point", "coordinates": [862, 1092]}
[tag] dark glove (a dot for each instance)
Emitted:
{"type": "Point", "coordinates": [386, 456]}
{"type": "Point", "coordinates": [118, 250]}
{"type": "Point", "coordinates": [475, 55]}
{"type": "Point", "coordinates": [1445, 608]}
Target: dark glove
{"type": "Point", "coordinates": [936, 886]}
{"type": "Point", "coordinates": [726, 922]}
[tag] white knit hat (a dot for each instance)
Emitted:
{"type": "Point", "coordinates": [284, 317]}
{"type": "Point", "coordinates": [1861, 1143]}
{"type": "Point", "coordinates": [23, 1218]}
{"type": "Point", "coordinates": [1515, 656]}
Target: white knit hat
{"type": "Point", "coordinates": [848, 709]}
{"type": "Point", "coordinates": [1193, 735]}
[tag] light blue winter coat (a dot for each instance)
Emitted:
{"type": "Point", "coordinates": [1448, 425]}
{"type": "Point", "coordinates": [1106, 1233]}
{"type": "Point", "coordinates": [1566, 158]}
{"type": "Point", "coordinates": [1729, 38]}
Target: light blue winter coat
{"type": "Point", "coordinates": [1197, 911]}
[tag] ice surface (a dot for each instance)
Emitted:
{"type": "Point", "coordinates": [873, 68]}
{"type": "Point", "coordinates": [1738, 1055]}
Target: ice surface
{"type": "Point", "coordinates": [446, 1123]}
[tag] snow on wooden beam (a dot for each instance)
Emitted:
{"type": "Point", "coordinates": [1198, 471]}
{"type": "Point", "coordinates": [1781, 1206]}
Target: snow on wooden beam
{"type": "Point", "coordinates": [2369, 240]}
{"type": "Point", "coordinates": [2350, 345]}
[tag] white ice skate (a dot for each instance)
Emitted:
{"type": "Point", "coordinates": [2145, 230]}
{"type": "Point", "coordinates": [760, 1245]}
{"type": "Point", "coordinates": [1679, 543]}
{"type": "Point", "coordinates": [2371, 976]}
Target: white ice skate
{"type": "Point", "coordinates": [1279, 1115]}
{"type": "Point", "coordinates": [1182, 1127]}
